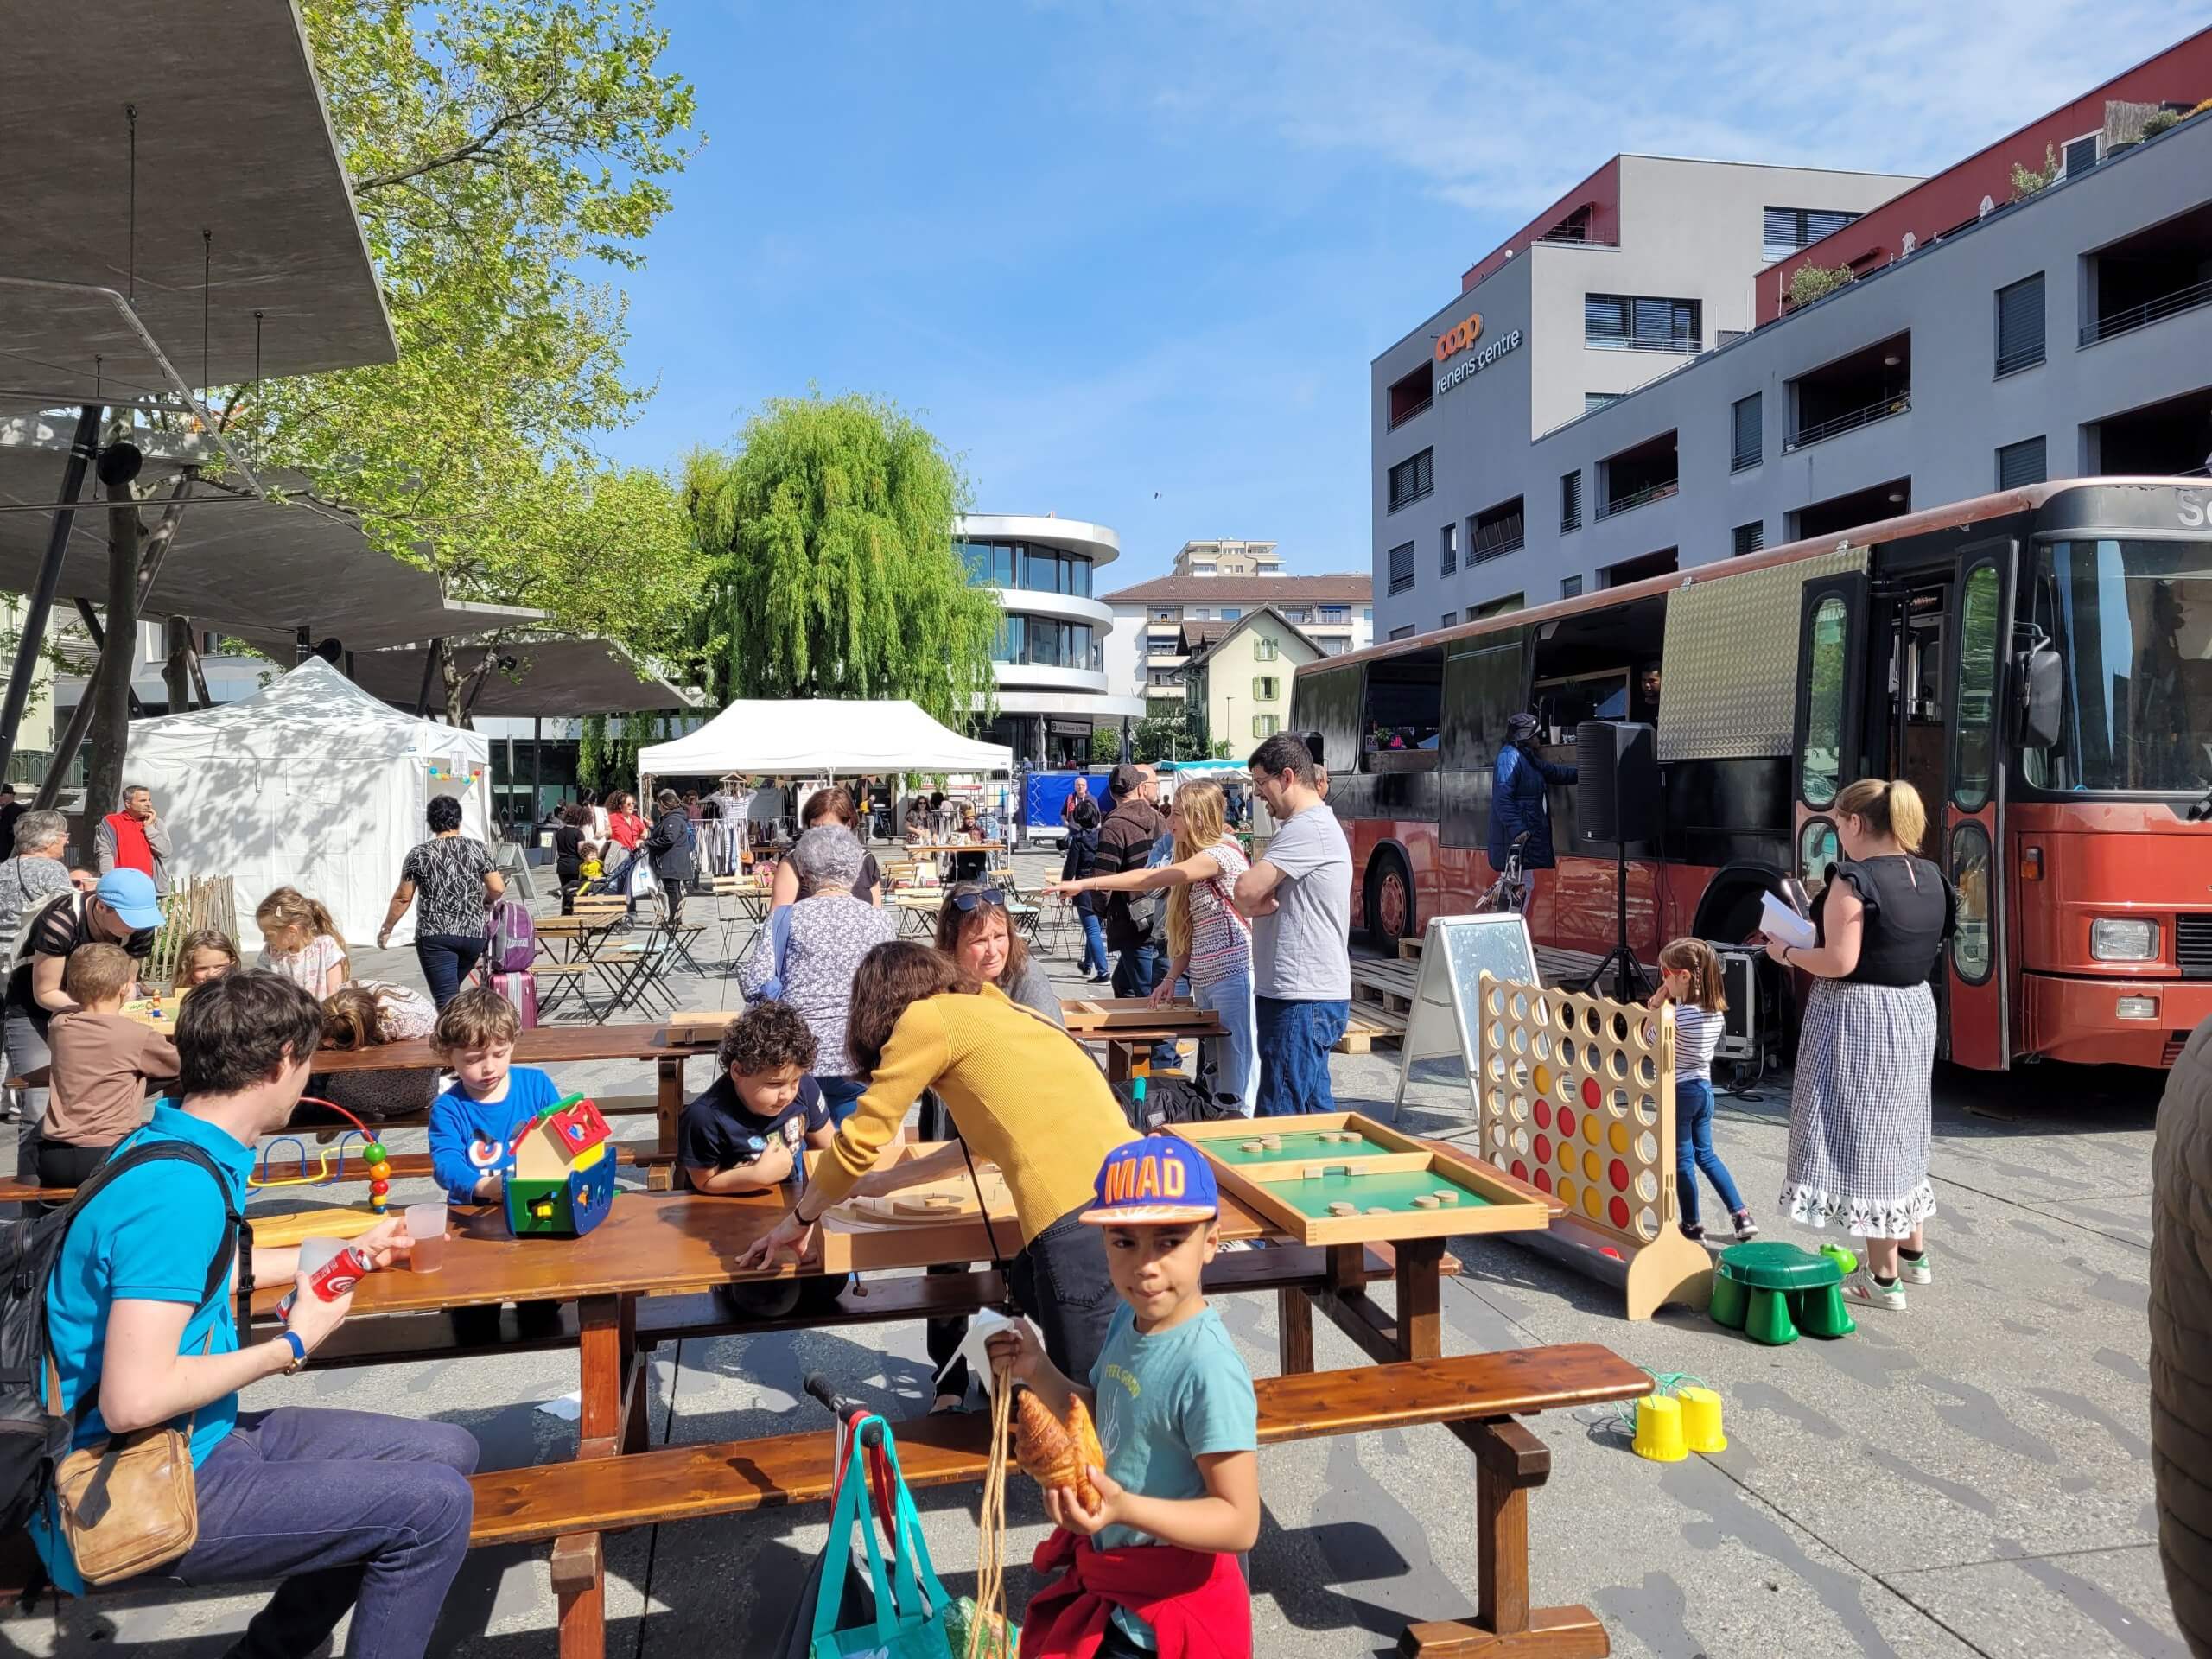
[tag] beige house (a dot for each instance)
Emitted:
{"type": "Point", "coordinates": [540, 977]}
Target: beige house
{"type": "Point", "coordinates": [1239, 682]}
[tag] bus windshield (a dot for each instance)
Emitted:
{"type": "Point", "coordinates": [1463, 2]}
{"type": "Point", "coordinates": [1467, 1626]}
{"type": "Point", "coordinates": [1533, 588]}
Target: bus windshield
{"type": "Point", "coordinates": [2134, 620]}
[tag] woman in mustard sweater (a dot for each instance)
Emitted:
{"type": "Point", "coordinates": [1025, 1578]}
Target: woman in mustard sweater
{"type": "Point", "coordinates": [1023, 1093]}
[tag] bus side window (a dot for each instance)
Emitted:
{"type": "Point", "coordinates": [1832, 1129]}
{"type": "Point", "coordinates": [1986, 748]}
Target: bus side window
{"type": "Point", "coordinates": [1405, 711]}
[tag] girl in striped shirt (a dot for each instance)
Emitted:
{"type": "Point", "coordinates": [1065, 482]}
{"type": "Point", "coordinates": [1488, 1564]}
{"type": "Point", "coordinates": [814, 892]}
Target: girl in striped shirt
{"type": "Point", "coordinates": [1690, 979]}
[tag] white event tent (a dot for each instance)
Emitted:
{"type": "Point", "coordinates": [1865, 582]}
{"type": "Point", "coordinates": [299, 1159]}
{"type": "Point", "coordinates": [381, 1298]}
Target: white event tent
{"type": "Point", "coordinates": [821, 738]}
{"type": "Point", "coordinates": [310, 783]}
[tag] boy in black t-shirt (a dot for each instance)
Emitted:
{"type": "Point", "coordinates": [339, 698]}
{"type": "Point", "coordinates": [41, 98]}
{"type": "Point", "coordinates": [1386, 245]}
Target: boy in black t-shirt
{"type": "Point", "coordinates": [748, 1132]}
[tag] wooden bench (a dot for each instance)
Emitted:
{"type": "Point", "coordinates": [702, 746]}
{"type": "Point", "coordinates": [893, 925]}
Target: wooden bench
{"type": "Point", "coordinates": [572, 1504]}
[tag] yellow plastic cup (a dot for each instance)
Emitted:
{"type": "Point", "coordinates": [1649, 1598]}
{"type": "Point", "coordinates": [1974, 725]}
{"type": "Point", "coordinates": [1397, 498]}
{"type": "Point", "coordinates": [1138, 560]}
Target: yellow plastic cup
{"type": "Point", "coordinates": [1659, 1429]}
{"type": "Point", "coordinates": [1701, 1420]}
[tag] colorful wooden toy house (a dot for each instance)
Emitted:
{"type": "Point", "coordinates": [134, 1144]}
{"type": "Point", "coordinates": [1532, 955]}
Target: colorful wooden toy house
{"type": "Point", "coordinates": [562, 1184]}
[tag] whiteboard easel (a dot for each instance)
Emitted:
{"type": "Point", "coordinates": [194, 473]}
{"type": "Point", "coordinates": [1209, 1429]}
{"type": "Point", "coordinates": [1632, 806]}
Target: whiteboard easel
{"type": "Point", "coordinates": [1444, 1019]}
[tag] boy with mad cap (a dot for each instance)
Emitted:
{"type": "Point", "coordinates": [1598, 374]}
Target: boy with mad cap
{"type": "Point", "coordinates": [1153, 1568]}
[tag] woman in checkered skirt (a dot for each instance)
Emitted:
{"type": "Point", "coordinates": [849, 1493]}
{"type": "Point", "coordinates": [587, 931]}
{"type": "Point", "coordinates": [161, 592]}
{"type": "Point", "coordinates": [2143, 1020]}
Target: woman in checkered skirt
{"type": "Point", "coordinates": [1858, 1111]}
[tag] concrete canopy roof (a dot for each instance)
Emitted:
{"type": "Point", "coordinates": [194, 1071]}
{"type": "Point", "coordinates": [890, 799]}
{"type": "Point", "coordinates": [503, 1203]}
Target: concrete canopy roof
{"type": "Point", "coordinates": [259, 569]}
{"type": "Point", "coordinates": [551, 676]}
{"type": "Point", "coordinates": [232, 138]}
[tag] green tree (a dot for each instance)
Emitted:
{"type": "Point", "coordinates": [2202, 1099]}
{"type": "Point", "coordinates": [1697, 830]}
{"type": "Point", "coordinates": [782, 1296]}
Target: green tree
{"type": "Point", "coordinates": [832, 569]}
{"type": "Point", "coordinates": [1105, 745]}
{"type": "Point", "coordinates": [501, 151]}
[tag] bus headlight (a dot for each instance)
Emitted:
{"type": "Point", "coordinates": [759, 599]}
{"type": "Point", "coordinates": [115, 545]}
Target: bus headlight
{"type": "Point", "coordinates": [2113, 938]}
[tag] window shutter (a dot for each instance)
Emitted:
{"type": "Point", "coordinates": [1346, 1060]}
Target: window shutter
{"type": "Point", "coordinates": [1401, 567]}
{"type": "Point", "coordinates": [2081, 154]}
{"type": "Point", "coordinates": [2019, 325]}
{"type": "Point", "coordinates": [2020, 464]}
{"type": "Point", "coordinates": [1749, 539]}
{"type": "Point", "coordinates": [1604, 317]}
{"type": "Point", "coordinates": [1749, 437]}
{"type": "Point", "coordinates": [1780, 227]}
{"type": "Point", "coordinates": [1819, 224]}
{"type": "Point", "coordinates": [1570, 501]}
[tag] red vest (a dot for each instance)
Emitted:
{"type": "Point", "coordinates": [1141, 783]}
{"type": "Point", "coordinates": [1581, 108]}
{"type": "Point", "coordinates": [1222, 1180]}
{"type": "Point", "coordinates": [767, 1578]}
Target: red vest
{"type": "Point", "coordinates": [132, 850]}
{"type": "Point", "coordinates": [1197, 1602]}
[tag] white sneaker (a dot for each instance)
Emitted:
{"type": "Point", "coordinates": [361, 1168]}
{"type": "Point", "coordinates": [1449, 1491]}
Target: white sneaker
{"type": "Point", "coordinates": [1921, 1272]}
{"type": "Point", "coordinates": [1861, 1291]}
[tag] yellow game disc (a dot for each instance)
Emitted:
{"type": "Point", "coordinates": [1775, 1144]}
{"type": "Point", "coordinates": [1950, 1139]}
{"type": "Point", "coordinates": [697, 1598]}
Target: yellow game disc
{"type": "Point", "coordinates": [1592, 1170]}
{"type": "Point", "coordinates": [1566, 1192]}
{"type": "Point", "coordinates": [1590, 1205]}
{"type": "Point", "coordinates": [1590, 1128]}
{"type": "Point", "coordinates": [1616, 1138]}
{"type": "Point", "coordinates": [1543, 1079]}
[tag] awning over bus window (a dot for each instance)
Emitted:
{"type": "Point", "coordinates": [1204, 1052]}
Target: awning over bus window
{"type": "Point", "coordinates": [1729, 679]}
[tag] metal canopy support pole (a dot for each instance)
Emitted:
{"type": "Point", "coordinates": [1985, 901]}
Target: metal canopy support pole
{"type": "Point", "coordinates": [82, 447]}
{"type": "Point", "coordinates": [302, 645]}
{"type": "Point", "coordinates": [536, 767]}
{"type": "Point", "coordinates": [429, 667]}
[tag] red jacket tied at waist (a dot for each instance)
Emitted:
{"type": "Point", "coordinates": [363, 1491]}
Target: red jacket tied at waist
{"type": "Point", "coordinates": [1196, 1601]}
{"type": "Point", "coordinates": [132, 850]}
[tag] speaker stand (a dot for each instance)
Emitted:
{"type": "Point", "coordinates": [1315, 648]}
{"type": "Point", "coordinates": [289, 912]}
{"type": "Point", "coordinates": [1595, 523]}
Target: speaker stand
{"type": "Point", "coordinates": [1631, 984]}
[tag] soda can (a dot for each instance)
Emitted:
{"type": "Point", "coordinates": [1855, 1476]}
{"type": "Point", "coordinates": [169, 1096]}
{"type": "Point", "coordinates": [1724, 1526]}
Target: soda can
{"type": "Point", "coordinates": [330, 1281]}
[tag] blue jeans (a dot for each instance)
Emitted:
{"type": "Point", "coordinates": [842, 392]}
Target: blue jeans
{"type": "Point", "coordinates": [1135, 975]}
{"type": "Point", "coordinates": [350, 1509]}
{"type": "Point", "coordinates": [447, 959]}
{"type": "Point", "coordinates": [1233, 1056]}
{"type": "Point", "coordinates": [841, 1095]}
{"type": "Point", "coordinates": [1295, 1040]}
{"type": "Point", "coordinates": [1095, 959]}
{"type": "Point", "coordinates": [1693, 1149]}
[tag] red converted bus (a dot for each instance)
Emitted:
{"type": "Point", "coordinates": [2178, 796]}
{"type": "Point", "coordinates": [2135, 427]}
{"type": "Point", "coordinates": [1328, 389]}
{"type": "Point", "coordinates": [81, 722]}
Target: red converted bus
{"type": "Point", "coordinates": [2038, 662]}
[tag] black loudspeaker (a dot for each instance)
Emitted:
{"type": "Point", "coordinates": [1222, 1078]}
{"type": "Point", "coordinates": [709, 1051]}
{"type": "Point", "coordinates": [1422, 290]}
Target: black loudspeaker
{"type": "Point", "coordinates": [1618, 763]}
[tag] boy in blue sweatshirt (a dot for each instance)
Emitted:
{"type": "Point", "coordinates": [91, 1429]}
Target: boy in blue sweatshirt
{"type": "Point", "coordinates": [474, 1124]}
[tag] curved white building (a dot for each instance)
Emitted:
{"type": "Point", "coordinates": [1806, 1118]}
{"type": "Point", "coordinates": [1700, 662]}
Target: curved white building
{"type": "Point", "coordinates": [1051, 655]}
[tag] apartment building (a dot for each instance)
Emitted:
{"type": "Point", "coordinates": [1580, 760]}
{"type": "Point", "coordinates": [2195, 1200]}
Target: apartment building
{"type": "Point", "coordinates": [1158, 624]}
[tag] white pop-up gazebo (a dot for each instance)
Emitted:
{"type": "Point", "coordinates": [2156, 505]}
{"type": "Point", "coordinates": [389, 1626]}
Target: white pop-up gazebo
{"type": "Point", "coordinates": [822, 738]}
{"type": "Point", "coordinates": [311, 783]}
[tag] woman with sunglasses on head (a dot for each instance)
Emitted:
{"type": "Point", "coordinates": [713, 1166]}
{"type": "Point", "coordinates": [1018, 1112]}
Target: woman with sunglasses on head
{"type": "Point", "coordinates": [1024, 1097]}
{"type": "Point", "coordinates": [1207, 939]}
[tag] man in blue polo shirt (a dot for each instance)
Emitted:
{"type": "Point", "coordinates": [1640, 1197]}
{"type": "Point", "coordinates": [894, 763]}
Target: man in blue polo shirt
{"type": "Point", "coordinates": [349, 1508]}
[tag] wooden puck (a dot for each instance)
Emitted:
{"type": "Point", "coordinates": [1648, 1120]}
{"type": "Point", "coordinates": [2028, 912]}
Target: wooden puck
{"type": "Point", "coordinates": [1340, 1208]}
{"type": "Point", "coordinates": [1253, 1146]}
{"type": "Point", "coordinates": [1426, 1201]}
{"type": "Point", "coordinates": [1271, 1142]}
{"type": "Point", "coordinates": [1378, 1210]}
{"type": "Point", "coordinates": [1447, 1195]}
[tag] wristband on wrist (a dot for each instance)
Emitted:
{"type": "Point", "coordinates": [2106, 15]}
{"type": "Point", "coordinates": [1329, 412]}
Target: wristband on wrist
{"type": "Point", "coordinates": [291, 1340]}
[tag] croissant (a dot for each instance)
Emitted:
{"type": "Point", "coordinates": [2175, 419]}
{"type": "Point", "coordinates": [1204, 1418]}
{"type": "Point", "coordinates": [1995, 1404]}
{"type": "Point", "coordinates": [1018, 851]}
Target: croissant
{"type": "Point", "coordinates": [1047, 1452]}
{"type": "Point", "coordinates": [1084, 1433]}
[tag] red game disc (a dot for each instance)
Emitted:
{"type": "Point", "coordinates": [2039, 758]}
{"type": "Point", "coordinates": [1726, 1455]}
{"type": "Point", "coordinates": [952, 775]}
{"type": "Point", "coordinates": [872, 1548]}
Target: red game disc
{"type": "Point", "coordinates": [1619, 1175]}
{"type": "Point", "coordinates": [1543, 1179]}
{"type": "Point", "coordinates": [1544, 1148]}
{"type": "Point", "coordinates": [1543, 1113]}
{"type": "Point", "coordinates": [1618, 1210]}
{"type": "Point", "coordinates": [1593, 1097]}
{"type": "Point", "coordinates": [1566, 1124]}
{"type": "Point", "coordinates": [1519, 1170]}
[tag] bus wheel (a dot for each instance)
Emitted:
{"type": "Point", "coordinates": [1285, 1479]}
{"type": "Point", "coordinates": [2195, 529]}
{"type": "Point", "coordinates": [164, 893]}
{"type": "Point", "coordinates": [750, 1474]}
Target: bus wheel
{"type": "Point", "coordinates": [1390, 902]}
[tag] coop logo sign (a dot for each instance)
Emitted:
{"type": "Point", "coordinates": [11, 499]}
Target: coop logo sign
{"type": "Point", "coordinates": [1458, 340]}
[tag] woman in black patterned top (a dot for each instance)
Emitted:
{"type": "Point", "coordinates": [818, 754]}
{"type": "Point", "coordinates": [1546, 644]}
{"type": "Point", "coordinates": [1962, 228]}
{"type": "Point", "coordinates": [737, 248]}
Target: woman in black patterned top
{"type": "Point", "coordinates": [450, 882]}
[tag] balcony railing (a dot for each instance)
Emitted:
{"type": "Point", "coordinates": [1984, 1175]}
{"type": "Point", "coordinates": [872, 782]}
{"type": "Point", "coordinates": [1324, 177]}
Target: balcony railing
{"type": "Point", "coordinates": [1898, 403]}
{"type": "Point", "coordinates": [1689, 347]}
{"type": "Point", "coordinates": [1496, 540]}
{"type": "Point", "coordinates": [2150, 311]}
{"type": "Point", "coordinates": [1638, 498]}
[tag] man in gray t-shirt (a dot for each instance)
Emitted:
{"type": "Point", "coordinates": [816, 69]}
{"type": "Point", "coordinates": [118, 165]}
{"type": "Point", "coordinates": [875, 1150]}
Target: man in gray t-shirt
{"type": "Point", "coordinates": [1299, 896]}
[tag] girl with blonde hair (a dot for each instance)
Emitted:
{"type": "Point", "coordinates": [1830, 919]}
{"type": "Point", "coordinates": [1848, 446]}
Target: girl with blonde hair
{"type": "Point", "coordinates": [1859, 1107]}
{"type": "Point", "coordinates": [299, 940]}
{"type": "Point", "coordinates": [1207, 940]}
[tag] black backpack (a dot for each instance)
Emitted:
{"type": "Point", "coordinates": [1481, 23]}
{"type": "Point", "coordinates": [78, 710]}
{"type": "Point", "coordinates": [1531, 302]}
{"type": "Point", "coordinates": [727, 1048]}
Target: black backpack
{"type": "Point", "coordinates": [33, 1440]}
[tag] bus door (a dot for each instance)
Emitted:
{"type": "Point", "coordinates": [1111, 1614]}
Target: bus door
{"type": "Point", "coordinates": [1967, 818]}
{"type": "Point", "coordinates": [1830, 723]}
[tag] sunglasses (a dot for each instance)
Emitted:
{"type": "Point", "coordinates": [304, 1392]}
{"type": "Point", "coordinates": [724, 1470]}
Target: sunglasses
{"type": "Point", "coordinates": [965, 902]}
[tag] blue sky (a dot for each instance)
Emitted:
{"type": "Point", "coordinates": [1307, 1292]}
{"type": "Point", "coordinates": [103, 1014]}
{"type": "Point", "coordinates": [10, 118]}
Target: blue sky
{"type": "Point", "coordinates": [1130, 263]}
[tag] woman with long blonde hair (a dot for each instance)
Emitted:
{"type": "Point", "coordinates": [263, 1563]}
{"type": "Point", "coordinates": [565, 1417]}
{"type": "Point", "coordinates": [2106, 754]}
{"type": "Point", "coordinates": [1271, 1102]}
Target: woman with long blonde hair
{"type": "Point", "coordinates": [1207, 940]}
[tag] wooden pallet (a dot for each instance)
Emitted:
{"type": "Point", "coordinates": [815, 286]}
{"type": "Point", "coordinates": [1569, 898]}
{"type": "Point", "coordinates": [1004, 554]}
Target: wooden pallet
{"type": "Point", "coordinates": [1369, 1026]}
{"type": "Point", "coordinates": [1409, 950]}
{"type": "Point", "coordinates": [1385, 987]}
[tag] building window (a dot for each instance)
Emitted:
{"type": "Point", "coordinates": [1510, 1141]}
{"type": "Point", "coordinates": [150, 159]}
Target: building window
{"type": "Point", "coordinates": [1266, 726]}
{"type": "Point", "coordinates": [1633, 322]}
{"type": "Point", "coordinates": [1405, 633]}
{"type": "Point", "coordinates": [2021, 464]}
{"type": "Point", "coordinates": [2082, 155]}
{"type": "Point", "coordinates": [1645, 472]}
{"type": "Point", "coordinates": [1788, 229]}
{"type": "Point", "coordinates": [1598, 399]}
{"type": "Point", "coordinates": [1570, 588]}
{"type": "Point", "coordinates": [1448, 549]}
{"type": "Point", "coordinates": [1341, 613]}
{"type": "Point", "coordinates": [1265, 688]}
{"type": "Point", "coordinates": [1163, 645]}
{"type": "Point", "coordinates": [1401, 567]}
{"type": "Point", "coordinates": [1299, 614]}
{"type": "Point", "coordinates": [1570, 501]}
{"type": "Point", "coordinates": [1747, 538]}
{"type": "Point", "coordinates": [1662, 563]}
{"type": "Point", "coordinates": [1411, 394]}
{"type": "Point", "coordinates": [1032, 569]}
{"type": "Point", "coordinates": [1367, 612]}
{"type": "Point", "coordinates": [1497, 532]}
{"type": "Point", "coordinates": [1450, 618]}
{"type": "Point", "coordinates": [1498, 606]}
{"type": "Point", "coordinates": [1041, 642]}
{"type": "Point", "coordinates": [1265, 650]}
{"type": "Point", "coordinates": [1230, 613]}
{"type": "Point", "coordinates": [2019, 325]}
{"type": "Point", "coordinates": [1412, 478]}
{"type": "Point", "coordinates": [1748, 424]}
{"type": "Point", "coordinates": [1167, 614]}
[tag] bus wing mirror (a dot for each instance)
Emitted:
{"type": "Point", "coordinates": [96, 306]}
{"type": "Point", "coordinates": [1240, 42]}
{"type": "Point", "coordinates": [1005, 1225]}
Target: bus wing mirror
{"type": "Point", "coordinates": [2042, 679]}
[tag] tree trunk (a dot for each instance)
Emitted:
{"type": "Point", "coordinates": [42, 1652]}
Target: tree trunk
{"type": "Point", "coordinates": [452, 682]}
{"type": "Point", "coordinates": [177, 670]}
{"type": "Point", "coordinates": [110, 731]}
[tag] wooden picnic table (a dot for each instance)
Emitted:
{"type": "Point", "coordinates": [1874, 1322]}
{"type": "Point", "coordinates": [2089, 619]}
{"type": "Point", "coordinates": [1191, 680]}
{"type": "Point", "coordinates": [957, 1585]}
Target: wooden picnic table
{"type": "Point", "coordinates": [1127, 1024]}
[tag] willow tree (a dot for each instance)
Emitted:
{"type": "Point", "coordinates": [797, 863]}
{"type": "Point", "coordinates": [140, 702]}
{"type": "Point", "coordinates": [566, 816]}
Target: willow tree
{"type": "Point", "coordinates": [832, 569]}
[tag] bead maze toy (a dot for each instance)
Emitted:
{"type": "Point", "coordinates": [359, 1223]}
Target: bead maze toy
{"type": "Point", "coordinates": [563, 1182]}
{"type": "Point", "coordinates": [379, 1161]}
{"type": "Point", "coordinates": [1575, 1094]}
{"type": "Point", "coordinates": [1340, 1178]}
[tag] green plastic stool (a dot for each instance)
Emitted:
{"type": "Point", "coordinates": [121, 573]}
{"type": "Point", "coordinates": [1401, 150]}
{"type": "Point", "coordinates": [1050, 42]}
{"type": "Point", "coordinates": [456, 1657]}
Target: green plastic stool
{"type": "Point", "coordinates": [1772, 1291]}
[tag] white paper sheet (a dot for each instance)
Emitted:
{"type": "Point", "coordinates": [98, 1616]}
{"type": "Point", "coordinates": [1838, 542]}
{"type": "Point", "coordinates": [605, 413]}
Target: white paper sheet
{"type": "Point", "coordinates": [1778, 921]}
{"type": "Point", "coordinates": [971, 1349]}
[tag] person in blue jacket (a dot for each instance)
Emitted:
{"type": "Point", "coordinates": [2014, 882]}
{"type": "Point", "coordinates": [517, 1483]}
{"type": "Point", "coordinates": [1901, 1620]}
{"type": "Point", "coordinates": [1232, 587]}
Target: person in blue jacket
{"type": "Point", "coordinates": [1518, 800]}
